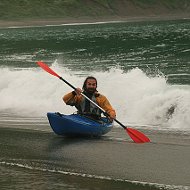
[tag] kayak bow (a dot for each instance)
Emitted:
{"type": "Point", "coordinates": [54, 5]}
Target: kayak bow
{"type": "Point", "coordinates": [77, 125]}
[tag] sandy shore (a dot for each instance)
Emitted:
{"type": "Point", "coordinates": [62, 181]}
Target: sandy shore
{"type": "Point", "coordinates": [163, 161]}
{"type": "Point", "coordinates": [59, 21]}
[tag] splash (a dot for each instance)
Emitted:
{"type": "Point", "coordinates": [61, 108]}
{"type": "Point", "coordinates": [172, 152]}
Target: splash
{"type": "Point", "coordinates": [137, 98]}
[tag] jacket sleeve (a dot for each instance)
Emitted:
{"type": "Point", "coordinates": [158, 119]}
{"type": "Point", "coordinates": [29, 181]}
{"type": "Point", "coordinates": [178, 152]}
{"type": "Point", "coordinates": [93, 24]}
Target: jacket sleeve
{"type": "Point", "coordinates": [105, 105]}
{"type": "Point", "coordinates": [71, 99]}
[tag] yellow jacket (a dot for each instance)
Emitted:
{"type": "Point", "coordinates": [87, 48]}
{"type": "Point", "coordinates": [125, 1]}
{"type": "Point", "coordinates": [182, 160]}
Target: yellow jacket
{"type": "Point", "coordinates": [102, 101]}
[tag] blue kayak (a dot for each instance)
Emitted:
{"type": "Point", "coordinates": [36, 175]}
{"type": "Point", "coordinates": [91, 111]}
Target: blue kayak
{"type": "Point", "coordinates": [77, 125]}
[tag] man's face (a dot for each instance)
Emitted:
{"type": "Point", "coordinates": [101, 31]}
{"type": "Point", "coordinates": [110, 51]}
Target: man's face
{"type": "Point", "coordinates": [91, 85]}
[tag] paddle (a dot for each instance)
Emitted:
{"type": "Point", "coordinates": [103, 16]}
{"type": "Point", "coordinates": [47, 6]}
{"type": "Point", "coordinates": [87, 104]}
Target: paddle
{"type": "Point", "coordinates": [135, 135]}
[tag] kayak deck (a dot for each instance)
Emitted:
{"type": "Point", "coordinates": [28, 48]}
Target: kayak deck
{"type": "Point", "coordinates": [77, 125]}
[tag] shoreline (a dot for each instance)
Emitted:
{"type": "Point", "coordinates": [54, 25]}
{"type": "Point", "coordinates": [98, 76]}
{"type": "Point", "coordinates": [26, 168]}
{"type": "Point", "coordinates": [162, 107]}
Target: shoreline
{"type": "Point", "coordinates": [86, 20]}
{"type": "Point", "coordinates": [159, 163]}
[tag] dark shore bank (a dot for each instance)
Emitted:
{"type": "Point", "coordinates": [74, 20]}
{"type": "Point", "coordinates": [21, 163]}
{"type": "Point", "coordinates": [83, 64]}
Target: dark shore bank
{"type": "Point", "coordinates": [41, 12]}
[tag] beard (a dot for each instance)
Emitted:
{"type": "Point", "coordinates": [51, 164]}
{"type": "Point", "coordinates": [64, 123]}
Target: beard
{"type": "Point", "coordinates": [91, 90]}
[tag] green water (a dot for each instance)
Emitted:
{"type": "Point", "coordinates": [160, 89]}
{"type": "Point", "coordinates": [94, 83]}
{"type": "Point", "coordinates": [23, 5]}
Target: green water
{"type": "Point", "coordinates": [154, 47]}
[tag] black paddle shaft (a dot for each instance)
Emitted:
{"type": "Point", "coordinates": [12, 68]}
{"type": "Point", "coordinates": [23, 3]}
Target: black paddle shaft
{"type": "Point", "coordinates": [120, 124]}
{"type": "Point", "coordinates": [67, 83]}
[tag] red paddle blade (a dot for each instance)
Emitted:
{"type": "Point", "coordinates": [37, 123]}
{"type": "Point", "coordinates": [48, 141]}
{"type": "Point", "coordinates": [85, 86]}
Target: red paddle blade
{"type": "Point", "coordinates": [137, 136]}
{"type": "Point", "coordinates": [46, 68]}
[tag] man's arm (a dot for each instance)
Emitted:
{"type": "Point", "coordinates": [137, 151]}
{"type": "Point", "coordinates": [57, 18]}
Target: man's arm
{"type": "Point", "coordinates": [105, 105]}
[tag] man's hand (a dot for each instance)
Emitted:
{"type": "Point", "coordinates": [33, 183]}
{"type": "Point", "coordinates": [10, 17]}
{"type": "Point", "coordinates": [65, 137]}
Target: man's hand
{"type": "Point", "coordinates": [78, 91]}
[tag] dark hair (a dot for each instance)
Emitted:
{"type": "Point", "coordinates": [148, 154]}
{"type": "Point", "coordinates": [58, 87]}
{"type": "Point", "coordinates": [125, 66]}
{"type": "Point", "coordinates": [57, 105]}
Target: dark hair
{"type": "Point", "coordinates": [89, 77]}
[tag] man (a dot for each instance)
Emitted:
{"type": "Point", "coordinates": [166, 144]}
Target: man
{"type": "Point", "coordinates": [84, 106]}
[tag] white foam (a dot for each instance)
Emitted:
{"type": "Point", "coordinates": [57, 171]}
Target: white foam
{"type": "Point", "coordinates": [137, 98]}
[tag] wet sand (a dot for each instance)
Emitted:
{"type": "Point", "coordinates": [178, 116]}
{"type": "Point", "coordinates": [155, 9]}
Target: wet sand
{"type": "Point", "coordinates": [163, 161]}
